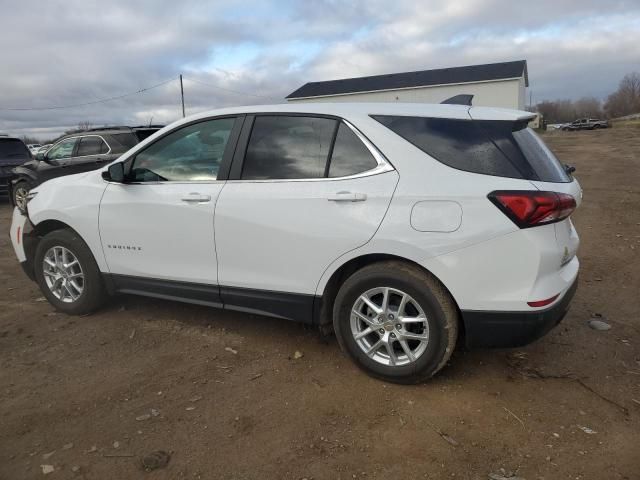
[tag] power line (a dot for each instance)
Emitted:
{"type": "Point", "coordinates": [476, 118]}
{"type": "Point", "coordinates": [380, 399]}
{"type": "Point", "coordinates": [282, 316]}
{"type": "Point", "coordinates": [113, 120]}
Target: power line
{"type": "Point", "coordinates": [230, 90]}
{"type": "Point", "coordinates": [103, 100]}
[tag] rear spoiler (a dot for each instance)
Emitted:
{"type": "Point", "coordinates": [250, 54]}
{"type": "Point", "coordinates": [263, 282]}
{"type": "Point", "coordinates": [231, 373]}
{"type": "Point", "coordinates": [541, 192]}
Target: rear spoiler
{"type": "Point", "coordinates": [462, 99]}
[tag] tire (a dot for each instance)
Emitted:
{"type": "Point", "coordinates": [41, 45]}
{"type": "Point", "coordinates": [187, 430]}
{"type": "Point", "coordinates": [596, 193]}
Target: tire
{"type": "Point", "coordinates": [424, 293]}
{"type": "Point", "coordinates": [81, 280]}
{"type": "Point", "coordinates": [596, 127]}
{"type": "Point", "coordinates": [20, 191]}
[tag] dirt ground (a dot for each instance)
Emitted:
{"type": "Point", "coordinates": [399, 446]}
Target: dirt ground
{"type": "Point", "coordinates": [90, 396]}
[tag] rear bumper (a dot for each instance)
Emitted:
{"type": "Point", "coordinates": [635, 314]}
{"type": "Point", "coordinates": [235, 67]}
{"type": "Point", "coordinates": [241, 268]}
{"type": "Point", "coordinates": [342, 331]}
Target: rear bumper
{"type": "Point", "coordinates": [514, 329]}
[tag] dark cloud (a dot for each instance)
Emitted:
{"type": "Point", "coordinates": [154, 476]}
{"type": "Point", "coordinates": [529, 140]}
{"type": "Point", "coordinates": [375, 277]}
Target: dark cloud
{"type": "Point", "coordinates": [69, 52]}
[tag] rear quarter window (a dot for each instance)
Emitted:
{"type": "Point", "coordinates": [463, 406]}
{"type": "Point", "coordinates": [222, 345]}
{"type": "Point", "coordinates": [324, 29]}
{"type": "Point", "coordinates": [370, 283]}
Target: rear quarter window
{"type": "Point", "coordinates": [121, 142]}
{"type": "Point", "coordinates": [498, 148]}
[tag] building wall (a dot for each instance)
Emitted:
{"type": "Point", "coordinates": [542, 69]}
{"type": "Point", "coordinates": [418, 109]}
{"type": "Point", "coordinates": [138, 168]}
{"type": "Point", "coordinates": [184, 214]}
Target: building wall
{"type": "Point", "coordinates": [500, 93]}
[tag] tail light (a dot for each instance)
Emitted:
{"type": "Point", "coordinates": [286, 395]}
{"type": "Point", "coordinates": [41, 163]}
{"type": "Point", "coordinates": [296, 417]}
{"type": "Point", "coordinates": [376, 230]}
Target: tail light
{"type": "Point", "coordinates": [530, 208]}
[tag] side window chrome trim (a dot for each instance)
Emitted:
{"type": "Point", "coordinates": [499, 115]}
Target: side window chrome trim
{"type": "Point", "coordinates": [383, 165]}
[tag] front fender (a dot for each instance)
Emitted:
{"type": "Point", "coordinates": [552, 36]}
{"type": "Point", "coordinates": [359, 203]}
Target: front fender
{"type": "Point", "coordinates": [21, 173]}
{"type": "Point", "coordinates": [75, 201]}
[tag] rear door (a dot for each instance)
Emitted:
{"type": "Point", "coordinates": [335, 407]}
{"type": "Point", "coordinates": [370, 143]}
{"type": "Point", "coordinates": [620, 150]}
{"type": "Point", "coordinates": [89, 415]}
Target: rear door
{"type": "Point", "coordinates": [91, 152]}
{"type": "Point", "coordinates": [303, 191]}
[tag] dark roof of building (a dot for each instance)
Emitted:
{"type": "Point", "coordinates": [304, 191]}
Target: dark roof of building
{"type": "Point", "coordinates": [422, 78]}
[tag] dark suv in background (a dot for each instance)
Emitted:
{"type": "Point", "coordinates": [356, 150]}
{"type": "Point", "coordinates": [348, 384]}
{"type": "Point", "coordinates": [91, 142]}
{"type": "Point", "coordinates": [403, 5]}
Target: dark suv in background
{"type": "Point", "coordinates": [76, 153]}
{"type": "Point", "coordinates": [13, 152]}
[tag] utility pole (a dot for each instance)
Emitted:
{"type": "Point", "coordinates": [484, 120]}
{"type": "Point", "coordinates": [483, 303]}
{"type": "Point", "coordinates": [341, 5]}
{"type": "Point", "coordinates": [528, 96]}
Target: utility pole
{"type": "Point", "coordinates": [182, 95]}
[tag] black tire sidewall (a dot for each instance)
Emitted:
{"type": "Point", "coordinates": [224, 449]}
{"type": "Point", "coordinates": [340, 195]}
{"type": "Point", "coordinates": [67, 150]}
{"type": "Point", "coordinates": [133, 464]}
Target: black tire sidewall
{"type": "Point", "coordinates": [93, 291]}
{"type": "Point", "coordinates": [429, 361]}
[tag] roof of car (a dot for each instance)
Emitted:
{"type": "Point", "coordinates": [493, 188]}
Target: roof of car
{"type": "Point", "coordinates": [421, 78]}
{"type": "Point", "coordinates": [345, 109]}
{"type": "Point", "coordinates": [4, 136]}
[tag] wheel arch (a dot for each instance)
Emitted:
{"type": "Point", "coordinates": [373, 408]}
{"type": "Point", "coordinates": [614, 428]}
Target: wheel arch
{"type": "Point", "coordinates": [24, 175]}
{"type": "Point", "coordinates": [330, 289]}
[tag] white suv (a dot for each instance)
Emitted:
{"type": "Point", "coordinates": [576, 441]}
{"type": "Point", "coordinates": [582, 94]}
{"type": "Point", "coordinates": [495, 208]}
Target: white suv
{"type": "Point", "coordinates": [406, 227]}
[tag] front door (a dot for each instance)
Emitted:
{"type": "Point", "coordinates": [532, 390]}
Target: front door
{"type": "Point", "coordinates": [157, 227]}
{"type": "Point", "coordinates": [309, 190]}
{"type": "Point", "coordinates": [57, 161]}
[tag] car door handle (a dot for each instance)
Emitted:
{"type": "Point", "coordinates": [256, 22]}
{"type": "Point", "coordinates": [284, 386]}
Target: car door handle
{"type": "Point", "coordinates": [194, 197]}
{"type": "Point", "coordinates": [347, 197]}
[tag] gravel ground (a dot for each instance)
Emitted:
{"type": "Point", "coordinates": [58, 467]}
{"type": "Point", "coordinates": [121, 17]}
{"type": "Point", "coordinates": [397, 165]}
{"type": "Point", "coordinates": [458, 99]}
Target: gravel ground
{"type": "Point", "coordinates": [224, 394]}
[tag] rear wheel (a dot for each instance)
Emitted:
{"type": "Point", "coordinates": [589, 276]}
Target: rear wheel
{"type": "Point", "coordinates": [20, 191]}
{"type": "Point", "coordinates": [397, 322]}
{"type": "Point", "coordinates": [67, 273]}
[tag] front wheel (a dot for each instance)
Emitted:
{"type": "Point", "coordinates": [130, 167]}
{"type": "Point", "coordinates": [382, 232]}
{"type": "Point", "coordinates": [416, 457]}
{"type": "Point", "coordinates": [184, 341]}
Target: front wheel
{"type": "Point", "coordinates": [20, 191]}
{"type": "Point", "coordinates": [396, 321]}
{"type": "Point", "coordinates": [67, 273]}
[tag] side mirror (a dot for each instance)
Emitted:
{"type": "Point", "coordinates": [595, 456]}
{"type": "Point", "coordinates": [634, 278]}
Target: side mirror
{"type": "Point", "coordinates": [115, 173]}
{"type": "Point", "coordinates": [569, 168]}
{"type": "Point", "coordinates": [40, 156]}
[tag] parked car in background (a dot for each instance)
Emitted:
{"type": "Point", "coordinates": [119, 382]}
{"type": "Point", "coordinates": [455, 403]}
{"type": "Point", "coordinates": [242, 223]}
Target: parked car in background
{"type": "Point", "coordinates": [44, 148]}
{"type": "Point", "coordinates": [75, 153]}
{"type": "Point", "coordinates": [586, 124]}
{"type": "Point", "coordinates": [13, 152]}
{"type": "Point", "coordinates": [34, 147]}
{"type": "Point", "coordinates": [405, 228]}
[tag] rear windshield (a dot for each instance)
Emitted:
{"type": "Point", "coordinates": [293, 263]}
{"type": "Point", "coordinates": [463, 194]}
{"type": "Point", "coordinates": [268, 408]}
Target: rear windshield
{"type": "Point", "coordinates": [13, 148]}
{"type": "Point", "coordinates": [499, 148]}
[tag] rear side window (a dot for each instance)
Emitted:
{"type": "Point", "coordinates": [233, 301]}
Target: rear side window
{"type": "Point", "coordinates": [350, 156]}
{"type": "Point", "coordinates": [288, 147]}
{"type": "Point", "coordinates": [498, 148]}
{"type": "Point", "coordinates": [91, 145]}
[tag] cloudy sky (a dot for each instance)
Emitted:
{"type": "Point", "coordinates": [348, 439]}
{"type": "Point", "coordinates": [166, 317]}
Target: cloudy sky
{"type": "Point", "coordinates": [73, 52]}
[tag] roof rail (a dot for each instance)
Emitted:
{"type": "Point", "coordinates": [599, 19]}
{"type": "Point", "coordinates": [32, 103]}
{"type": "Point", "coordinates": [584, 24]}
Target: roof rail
{"type": "Point", "coordinates": [123, 127]}
{"type": "Point", "coordinates": [462, 99]}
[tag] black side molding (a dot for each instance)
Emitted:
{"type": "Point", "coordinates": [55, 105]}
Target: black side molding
{"type": "Point", "coordinates": [298, 307]}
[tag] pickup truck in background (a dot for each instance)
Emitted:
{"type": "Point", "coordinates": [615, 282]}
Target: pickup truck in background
{"type": "Point", "coordinates": [585, 124]}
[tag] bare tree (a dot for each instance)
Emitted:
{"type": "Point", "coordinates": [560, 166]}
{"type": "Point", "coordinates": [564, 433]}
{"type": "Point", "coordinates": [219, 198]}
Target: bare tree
{"type": "Point", "coordinates": [626, 99]}
{"type": "Point", "coordinates": [557, 111]}
{"type": "Point", "coordinates": [588, 107]}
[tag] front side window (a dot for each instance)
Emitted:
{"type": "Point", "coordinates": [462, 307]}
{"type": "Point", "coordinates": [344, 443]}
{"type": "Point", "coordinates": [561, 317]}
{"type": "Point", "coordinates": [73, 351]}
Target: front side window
{"type": "Point", "coordinates": [288, 147]}
{"type": "Point", "coordinates": [192, 153]}
{"type": "Point", "coordinates": [91, 145]}
{"type": "Point", "coordinates": [64, 149]}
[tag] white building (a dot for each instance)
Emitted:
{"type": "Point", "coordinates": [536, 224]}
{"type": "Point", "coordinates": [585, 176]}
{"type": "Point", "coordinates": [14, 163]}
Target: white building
{"type": "Point", "coordinates": [492, 85]}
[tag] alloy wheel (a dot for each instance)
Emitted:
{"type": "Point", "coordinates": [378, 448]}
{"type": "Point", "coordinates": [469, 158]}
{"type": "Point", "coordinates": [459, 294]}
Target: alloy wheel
{"type": "Point", "coordinates": [389, 326]}
{"type": "Point", "coordinates": [63, 274]}
{"type": "Point", "coordinates": [20, 197]}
